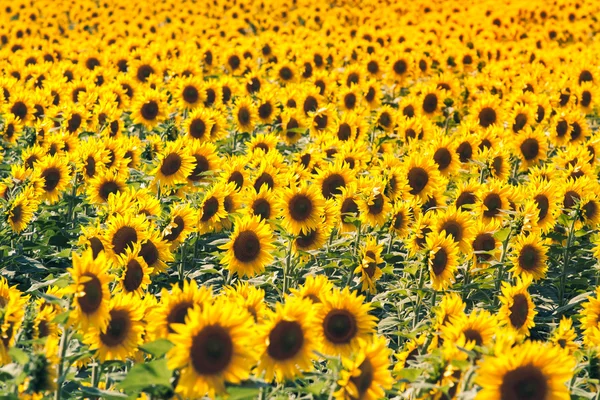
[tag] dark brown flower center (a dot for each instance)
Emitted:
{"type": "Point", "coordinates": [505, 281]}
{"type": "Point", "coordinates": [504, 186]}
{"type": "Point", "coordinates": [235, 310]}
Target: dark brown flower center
{"type": "Point", "coordinates": [210, 208]}
{"type": "Point", "coordinates": [493, 202]}
{"type": "Point", "coordinates": [487, 117]}
{"type": "Point", "coordinates": [332, 185]}
{"type": "Point", "coordinates": [377, 205]}
{"type": "Point", "coordinates": [305, 240]}
{"type": "Point", "coordinates": [51, 177]}
{"type": "Point", "coordinates": [365, 379]}
{"type": "Point", "coordinates": [96, 246]}
{"type": "Point", "coordinates": [92, 298]}
{"type": "Point", "coordinates": [285, 340]}
{"type": "Point", "coordinates": [211, 350]}
{"type": "Point", "coordinates": [237, 178]}
{"type": "Point", "coordinates": [519, 310]}
{"type": "Point", "coordinates": [530, 149]}
{"type": "Point", "coordinates": [149, 110]}
{"type": "Point", "coordinates": [300, 207]}
{"type": "Point", "coordinates": [339, 326]}
{"type": "Point", "coordinates": [417, 180]}
{"type": "Point", "coordinates": [430, 103]}
{"type": "Point", "coordinates": [190, 94]}
{"type": "Point", "coordinates": [529, 258]}
{"type": "Point", "coordinates": [440, 261]}
{"type": "Point", "coordinates": [570, 198]}
{"type": "Point", "coordinates": [262, 208]}
{"type": "Point", "coordinates": [264, 179]}
{"type": "Point", "coordinates": [171, 164]}
{"type": "Point", "coordinates": [243, 116]}
{"type": "Point", "coordinates": [454, 229]}
{"type": "Point", "coordinates": [108, 187]}
{"type": "Point", "coordinates": [197, 128]}
{"type": "Point", "coordinates": [118, 328]}
{"type": "Point", "coordinates": [19, 109]}
{"type": "Point", "coordinates": [526, 382]}
{"type": "Point", "coordinates": [246, 247]}
{"type": "Point", "coordinates": [149, 253]}
{"type": "Point", "coordinates": [484, 242]}
{"type": "Point", "coordinates": [178, 313]}
{"type": "Point", "coordinates": [464, 151]}
{"type": "Point", "coordinates": [442, 158]}
{"type": "Point", "coordinates": [90, 166]}
{"type": "Point", "coordinates": [17, 214]}
{"type": "Point", "coordinates": [473, 335]}
{"type": "Point", "coordinates": [123, 238]}
{"type": "Point", "coordinates": [176, 230]}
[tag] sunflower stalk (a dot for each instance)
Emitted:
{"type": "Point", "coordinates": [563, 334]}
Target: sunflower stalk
{"type": "Point", "coordinates": [419, 290]}
{"type": "Point", "coordinates": [62, 351]}
{"type": "Point", "coordinates": [288, 265]}
{"type": "Point", "coordinates": [500, 274]}
{"type": "Point", "coordinates": [566, 261]}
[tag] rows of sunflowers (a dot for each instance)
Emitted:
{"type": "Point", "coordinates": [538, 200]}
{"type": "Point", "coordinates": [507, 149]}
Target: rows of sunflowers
{"type": "Point", "coordinates": [302, 199]}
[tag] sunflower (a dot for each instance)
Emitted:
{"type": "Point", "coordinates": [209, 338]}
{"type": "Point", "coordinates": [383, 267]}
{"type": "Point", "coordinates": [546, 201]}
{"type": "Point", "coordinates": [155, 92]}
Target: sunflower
{"type": "Point", "coordinates": [245, 115]}
{"type": "Point", "coordinates": [422, 175]}
{"type": "Point", "coordinates": [301, 208]}
{"type": "Point", "coordinates": [20, 106]}
{"type": "Point", "coordinates": [103, 185]}
{"type": "Point", "coordinates": [564, 335]}
{"type": "Point", "coordinates": [288, 340]}
{"type": "Point", "coordinates": [92, 159]}
{"type": "Point", "coordinates": [149, 108]}
{"type": "Point", "coordinates": [123, 334]}
{"type": "Point", "coordinates": [402, 218]}
{"type": "Point", "coordinates": [530, 146]}
{"type": "Point", "coordinates": [573, 191]}
{"type": "Point", "coordinates": [174, 306]}
{"type": "Point", "coordinates": [332, 179]}
{"type": "Point", "coordinates": [475, 329]}
{"type": "Point", "coordinates": [261, 203]}
{"type": "Point", "coordinates": [123, 231]}
{"type": "Point", "coordinates": [444, 155]}
{"type": "Point", "coordinates": [135, 274]}
{"type": "Point", "coordinates": [517, 310]}
{"type": "Point", "coordinates": [90, 285]}
{"type": "Point", "coordinates": [493, 201]}
{"type": "Point", "coordinates": [366, 375]}
{"type": "Point", "coordinates": [188, 92]}
{"type": "Point", "coordinates": [11, 129]}
{"type": "Point", "coordinates": [262, 143]}
{"type": "Point", "coordinates": [155, 251]}
{"type": "Point", "coordinates": [313, 239]}
{"type": "Point", "coordinates": [374, 207]}
{"type": "Point", "coordinates": [199, 124]}
{"type": "Point", "coordinates": [431, 99]}
{"type": "Point", "coordinates": [182, 222]}
{"type": "Point", "coordinates": [369, 267]}
{"type": "Point", "coordinates": [422, 227]}
{"type": "Point", "coordinates": [22, 210]}
{"type": "Point", "coordinates": [250, 247]}
{"type": "Point", "coordinates": [442, 259]}
{"type": "Point", "coordinates": [451, 306]}
{"type": "Point", "coordinates": [315, 288]}
{"type": "Point", "coordinates": [544, 195]}
{"type": "Point", "coordinates": [53, 172]}
{"type": "Point", "coordinates": [343, 321]}
{"type": "Point", "coordinates": [532, 370]}
{"type": "Point", "coordinates": [211, 210]}
{"type": "Point", "coordinates": [249, 297]}
{"type": "Point", "coordinates": [485, 245]}
{"type": "Point", "coordinates": [487, 111]}
{"type": "Point", "coordinates": [266, 174]}
{"type": "Point", "coordinates": [214, 346]}
{"type": "Point", "coordinates": [175, 164]}
{"type": "Point", "coordinates": [457, 224]}
{"type": "Point", "coordinates": [529, 256]}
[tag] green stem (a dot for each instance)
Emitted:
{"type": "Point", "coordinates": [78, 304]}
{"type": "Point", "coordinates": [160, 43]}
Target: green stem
{"type": "Point", "coordinates": [566, 260]}
{"type": "Point", "coordinates": [421, 283]}
{"type": "Point", "coordinates": [392, 235]}
{"type": "Point", "coordinates": [287, 267]}
{"type": "Point", "coordinates": [181, 269]}
{"type": "Point", "coordinates": [64, 343]}
{"type": "Point", "coordinates": [466, 282]}
{"type": "Point", "coordinates": [501, 264]}
{"type": "Point", "coordinates": [357, 242]}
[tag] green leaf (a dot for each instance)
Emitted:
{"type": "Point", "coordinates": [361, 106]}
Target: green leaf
{"type": "Point", "coordinates": [141, 376]}
{"type": "Point", "coordinates": [410, 374]}
{"type": "Point", "coordinates": [502, 234]}
{"type": "Point", "coordinates": [157, 348]}
{"type": "Point", "coordinates": [242, 393]}
{"type": "Point", "coordinates": [103, 394]}
{"type": "Point", "coordinates": [18, 355]}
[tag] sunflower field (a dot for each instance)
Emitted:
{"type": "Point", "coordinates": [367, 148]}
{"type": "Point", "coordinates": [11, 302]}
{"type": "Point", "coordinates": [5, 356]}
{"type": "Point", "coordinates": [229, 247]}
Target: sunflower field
{"type": "Point", "coordinates": [265, 199]}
